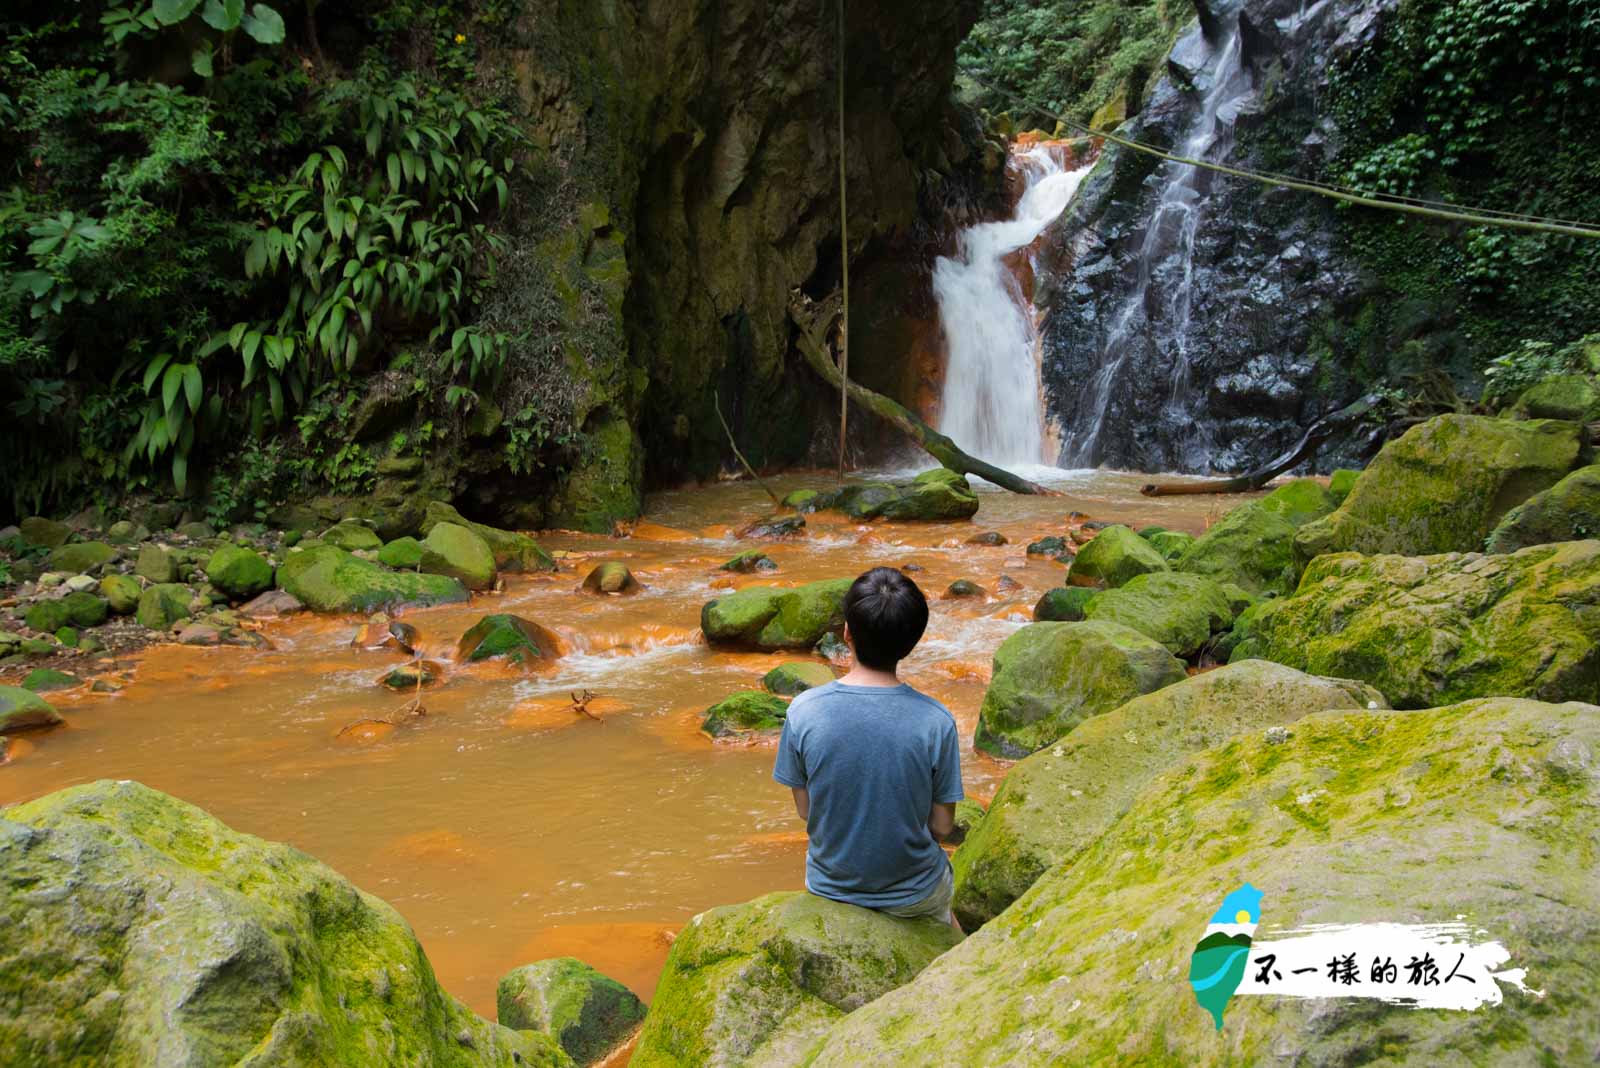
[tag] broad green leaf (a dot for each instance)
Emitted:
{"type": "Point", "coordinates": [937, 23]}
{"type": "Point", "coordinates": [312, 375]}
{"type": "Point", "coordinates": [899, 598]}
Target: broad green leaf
{"type": "Point", "coordinates": [264, 24]}
{"type": "Point", "coordinates": [169, 11]}
{"type": "Point", "coordinates": [153, 370]}
{"type": "Point", "coordinates": [192, 386]}
{"type": "Point", "coordinates": [223, 15]}
{"type": "Point", "coordinates": [170, 384]}
{"type": "Point", "coordinates": [200, 60]}
{"type": "Point", "coordinates": [180, 471]}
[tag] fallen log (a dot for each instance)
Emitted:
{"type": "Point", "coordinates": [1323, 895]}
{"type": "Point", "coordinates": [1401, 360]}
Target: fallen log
{"type": "Point", "coordinates": [1254, 480]}
{"type": "Point", "coordinates": [814, 320]}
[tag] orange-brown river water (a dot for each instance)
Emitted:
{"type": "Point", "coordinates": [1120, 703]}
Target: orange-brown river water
{"type": "Point", "coordinates": [503, 825]}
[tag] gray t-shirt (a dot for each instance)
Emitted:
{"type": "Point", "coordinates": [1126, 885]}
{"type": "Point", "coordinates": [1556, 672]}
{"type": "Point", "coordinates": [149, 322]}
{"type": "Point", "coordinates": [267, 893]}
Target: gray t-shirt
{"type": "Point", "coordinates": [874, 760]}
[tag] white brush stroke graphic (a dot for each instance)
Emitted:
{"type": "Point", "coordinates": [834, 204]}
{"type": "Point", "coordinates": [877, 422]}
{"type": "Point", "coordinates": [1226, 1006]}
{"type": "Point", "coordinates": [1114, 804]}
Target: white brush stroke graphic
{"type": "Point", "coordinates": [1428, 966]}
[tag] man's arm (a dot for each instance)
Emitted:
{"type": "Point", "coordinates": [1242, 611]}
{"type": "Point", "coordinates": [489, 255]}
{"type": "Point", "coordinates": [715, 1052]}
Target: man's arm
{"type": "Point", "coordinates": [941, 820]}
{"type": "Point", "coordinates": [802, 802]}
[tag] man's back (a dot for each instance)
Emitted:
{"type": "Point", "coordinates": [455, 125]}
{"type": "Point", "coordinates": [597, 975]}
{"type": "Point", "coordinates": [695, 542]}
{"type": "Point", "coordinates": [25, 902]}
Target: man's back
{"type": "Point", "coordinates": [874, 760]}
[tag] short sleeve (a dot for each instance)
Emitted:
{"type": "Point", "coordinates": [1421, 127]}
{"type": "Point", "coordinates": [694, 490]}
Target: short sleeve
{"type": "Point", "coordinates": [947, 765]}
{"type": "Point", "coordinates": [789, 769]}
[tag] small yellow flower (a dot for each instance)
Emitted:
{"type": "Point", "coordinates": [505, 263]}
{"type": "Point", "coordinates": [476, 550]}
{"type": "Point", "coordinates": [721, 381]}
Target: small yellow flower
{"type": "Point", "coordinates": [461, 38]}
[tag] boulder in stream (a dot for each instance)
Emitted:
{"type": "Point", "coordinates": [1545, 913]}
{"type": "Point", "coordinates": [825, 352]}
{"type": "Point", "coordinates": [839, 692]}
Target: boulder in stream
{"type": "Point", "coordinates": [328, 579]}
{"type": "Point", "coordinates": [513, 552]}
{"type": "Point", "coordinates": [1571, 397]}
{"type": "Point", "coordinates": [1112, 557]}
{"type": "Point", "coordinates": [964, 589]}
{"type": "Point", "coordinates": [611, 578]}
{"type": "Point", "coordinates": [759, 983]}
{"type": "Point", "coordinates": [746, 712]}
{"type": "Point", "coordinates": [775, 528]}
{"type": "Point", "coordinates": [121, 593]}
{"type": "Point", "coordinates": [1181, 612]}
{"type": "Point", "coordinates": [586, 1013]}
{"type": "Point", "coordinates": [45, 533]}
{"type": "Point", "coordinates": [1171, 544]}
{"type": "Point", "coordinates": [1567, 511]}
{"type": "Point", "coordinates": [141, 931]}
{"type": "Point", "coordinates": [80, 557]}
{"type": "Point", "coordinates": [402, 554]}
{"type": "Point", "coordinates": [769, 618]}
{"type": "Point", "coordinates": [1049, 677]}
{"type": "Point", "coordinates": [939, 494]}
{"type": "Point", "coordinates": [749, 562]}
{"type": "Point", "coordinates": [352, 535]}
{"type": "Point", "coordinates": [1064, 604]}
{"type": "Point", "coordinates": [239, 571]}
{"type": "Point", "coordinates": [503, 636]}
{"type": "Point", "coordinates": [458, 552]}
{"type": "Point", "coordinates": [1253, 545]}
{"type": "Point", "coordinates": [43, 680]}
{"type": "Point", "coordinates": [796, 676]}
{"type": "Point", "coordinates": [156, 564]}
{"type": "Point", "coordinates": [24, 710]}
{"type": "Point", "coordinates": [165, 603]}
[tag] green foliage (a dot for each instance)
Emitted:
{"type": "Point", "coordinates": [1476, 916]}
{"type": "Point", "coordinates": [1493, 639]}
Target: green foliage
{"type": "Point", "coordinates": [1531, 362]}
{"type": "Point", "coordinates": [1071, 56]}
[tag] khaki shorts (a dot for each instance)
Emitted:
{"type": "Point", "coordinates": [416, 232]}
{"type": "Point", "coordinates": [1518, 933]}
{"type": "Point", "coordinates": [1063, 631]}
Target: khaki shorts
{"type": "Point", "coordinates": [936, 904]}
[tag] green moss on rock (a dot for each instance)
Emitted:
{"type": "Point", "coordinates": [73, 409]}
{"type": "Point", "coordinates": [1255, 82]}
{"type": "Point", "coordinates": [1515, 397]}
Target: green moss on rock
{"type": "Point", "coordinates": [121, 593]}
{"type": "Point", "coordinates": [1171, 544]}
{"type": "Point", "coordinates": [1112, 557]}
{"type": "Point", "coordinates": [1567, 511]}
{"type": "Point", "coordinates": [402, 554]}
{"type": "Point", "coordinates": [1179, 611]}
{"type": "Point", "coordinates": [611, 577]}
{"type": "Point", "coordinates": [746, 712]}
{"type": "Point", "coordinates": [156, 564]}
{"type": "Point", "coordinates": [939, 494]}
{"type": "Point", "coordinates": [1252, 547]}
{"type": "Point", "coordinates": [1064, 604]}
{"type": "Point", "coordinates": [162, 605]}
{"type": "Point", "coordinates": [513, 552]}
{"type": "Point", "coordinates": [585, 1012]}
{"type": "Point", "coordinates": [458, 552]}
{"type": "Point", "coordinates": [1575, 398]}
{"type": "Point", "coordinates": [22, 710]}
{"type": "Point", "coordinates": [1049, 677]}
{"type": "Point", "coordinates": [352, 535]}
{"type": "Point", "coordinates": [239, 571]}
{"type": "Point", "coordinates": [80, 557]}
{"type": "Point", "coordinates": [507, 637]}
{"type": "Point", "coordinates": [749, 562]}
{"type": "Point", "coordinates": [43, 680]}
{"type": "Point", "coordinates": [796, 676]}
{"type": "Point", "coordinates": [329, 579]}
{"type": "Point", "coordinates": [607, 486]}
{"type": "Point", "coordinates": [769, 618]}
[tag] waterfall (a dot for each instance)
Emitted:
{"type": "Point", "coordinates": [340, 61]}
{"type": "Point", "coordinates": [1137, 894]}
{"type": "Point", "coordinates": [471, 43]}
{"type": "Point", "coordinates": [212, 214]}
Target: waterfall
{"type": "Point", "coordinates": [1156, 310]}
{"type": "Point", "coordinates": [991, 405]}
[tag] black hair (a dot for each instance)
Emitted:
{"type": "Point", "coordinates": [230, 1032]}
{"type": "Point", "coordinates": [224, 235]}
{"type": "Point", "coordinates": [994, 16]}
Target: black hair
{"type": "Point", "coordinates": [887, 614]}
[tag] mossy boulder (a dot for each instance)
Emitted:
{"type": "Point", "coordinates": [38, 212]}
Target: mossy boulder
{"type": "Point", "coordinates": [43, 680]}
{"type": "Point", "coordinates": [156, 564]}
{"type": "Point", "coordinates": [1567, 511]}
{"type": "Point", "coordinates": [1112, 557]}
{"type": "Point", "coordinates": [1179, 611]}
{"type": "Point", "coordinates": [162, 605]}
{"type": "Point", "coordinates": [45, 533]}
{"type": "Point", "coordinates": [352, 535]}
{"type": "Point", "coordinates": [507, 637]}
{"type": "Point", "coordinates": [1472, 812]}
{"type": "Point", "coordinates": [411, 676]}
{"type": "Point", "coordinates": [746, 712]}
{"type": "Point", "coordinates": [47, 616]}
{"type": "Point", "coordinates": [606, 486]}
{"type": "Point", "coordinates": [769, 619]}
{"type": "Point", "coordinates": [749, 562]}
{"type": "Point", "coordinates": [239, 571]}
{"type": "Point", "coordinates": [1052, 545]}
{"type": "Point", "coordinates": [611, 578]}
{"type": "Point", "coordinates": [760, 982]}
{"type": "Point", "coordinates": [458, 552]}
{"type": "Point", "coordinates": [796, 676]}
{"type": "Point", "coordinates": [1340, 483]}
{"type": "Point", "coordinates": [1443, 485]}
{"type": "Point", "coordinates": [1064, 604]}
{"type": "Point", "coordinates": [121, 593]}
{"type": "Point", "coordinates": [328, 579]}
{"type": "Point", "coordinates": [1252, 546]}
{"type": "Point", "coordinates": [1427, 630]}
{"type": "Point", "coordinates": [1575, 398]}
{"type": "Point", "coordinates": [85, 609]}
{"type": "Point", "coordinates": [142, 931]}
{"type": "Point", "coordinates": [939, 494]}
{"type": "Point", "coordinates": [586, 1013]}
{"type": "Point", "coordinates": [1049, 677]}
{"type": "Point", "coordinates": [1057, 802]}
{"type": "Point", "coordinates": [22, 710]}
{"type": "Point", "coordinates": [1171, 544]}
{"type": "Point", "coordinates": [80, 557]}
{"type": "Point", "coordinates": [513, 552]}
{"type": "Point", "coordinates": [964, 589]}
{"type": "Point", "coordinates": [402, 554]}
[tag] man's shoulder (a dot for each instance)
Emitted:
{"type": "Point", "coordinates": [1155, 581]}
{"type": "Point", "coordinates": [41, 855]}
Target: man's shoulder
{"type": "Point", "coordinates": [929, 705]}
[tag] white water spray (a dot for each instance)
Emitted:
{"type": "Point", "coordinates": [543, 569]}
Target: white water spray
{"type": "Point", "coordinates": [991, 405]}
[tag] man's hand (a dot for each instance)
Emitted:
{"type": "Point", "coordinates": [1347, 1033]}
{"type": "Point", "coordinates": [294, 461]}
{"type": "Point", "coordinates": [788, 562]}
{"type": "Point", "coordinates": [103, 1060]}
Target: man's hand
{"type": "Point", "coordinates": [802, 801]}
{"type": "Point", "coordinates": [941, 821]}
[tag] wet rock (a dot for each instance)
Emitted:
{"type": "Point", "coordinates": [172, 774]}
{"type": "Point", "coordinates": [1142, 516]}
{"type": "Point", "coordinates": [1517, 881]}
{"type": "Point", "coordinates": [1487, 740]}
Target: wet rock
{"type": "Point", "coordinates": [156, 564]}
{"type": "Point", "coordinates": [1181, 612]}
{"type": "Point", "coordinates": [1112, 557]}
{"type": "Point", "coordinates": [81, 583]}
{"type": "Point", "coordinates": [746, 712]}
{"type": "Point", "coordinates": [124, 532]}
{"type": "Point", "coordinates": [352, 535]}
{"type": "Point", "coordinates": [1171, 544]}
{"type": "Point", "coordinates": [1049, 677]}
{"type": "Point", "coordinates": [1252, 546]}
{"type": "Point", "coordinates": [239, 572]}
{"type": "Point", "coordinates": [45, 533]}
{"type": "Point", "coordinates": [775, 527]}
{"type": "Point", "coordinates": [507, 637]}
{"type": "Point", "coordinates": [988, 537]}
{"type": "Point", "coordinates": [1053, 545]}
{"type": "Point", "coordinates": [43, 680]}
{"type": "Point", "coordinates": [796, 676]}
{"type": "Point", "coordinates": [749, 562]}
{"type": "Point", "coordinates": [163, 604]}
{"type": "Point", "coordinates": [403, 554]}
{"type": "Point", "coordinates": [1340, 483]}
{"type": "Point", "coordinates": [328, 579]}
{"type": "Point", "coordinates": [197, 531]}
{"type": "Point", "coordinates": [75, 609]}
{"type": "Point", "coordinates": [1443, 485]}
{"type": "Point", "coordinates": [1439, 809]}
{"type": "Point", "coordinates": [1064, 604]}
{"type": "Point", "coordinates": [964, 588]}
{"type": "Point", "coordinates": [1575, 398]}
{"type": "Point", "coordinates": [80, 557]}
{"type": "Point", "coordinates": [272, 604]}
{"type": "Point", "coordinates": [1057, 802]}
{"type": "Point", "coordinates": [513, 552]}
{"type": "Point", "coordinates": [1427, 630]}
{"type": "Point", "coordinates": [459, 553]}
{"type": "Point", "coordinates": [24, 710]}
{"type": "Point", "coordinates": [759, 983]}
{"type": "Point", "coordinates": [939, 494]}
{"type": "Point", "coordinates": [833, 649]}
{"type": "Point", "coordinates": [1567, 511]}
{"type": "Point", "coordinates": [380, 633]}
{"type": "Point", "coordinates": [1006, 584]}
{"type": "Point", "coordinates": [585, 1012]}
{"type": "Point", "coordinates": [407, 677]}
{"type": "Point", "coordinates": [122, 904]}
{"type": "Point", "coordinates": [199, 634]}
{"type": "Point", "coordinates": [611, 578]}
{"type": "Point", "coordinates": [769, 619]}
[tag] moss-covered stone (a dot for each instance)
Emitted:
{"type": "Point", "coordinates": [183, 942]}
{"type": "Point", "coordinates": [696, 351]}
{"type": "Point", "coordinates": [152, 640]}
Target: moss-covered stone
{"type": "Point", "coordinates": [45, 533]}
{"type": "Point", "coordinates": [23, 710]}
{"type": "Point", "coordinates": [1058, 801]}
{"type": "Point", "coordinates": [141, 931]}
{"type": "Point", "coordinates": [80, 557]}
{"type": "Point", "coordinates": [156, 564]}
{"type": "Point", "coordinates": [1252, 547]}
{"type": "Point", "coordinates": [962, 589]}
{"type": "Point", "coordinates": [163, 604]}
{"type": "Point", "coordinates": [1051, 545]}
{"type": "Point", "coordinates": [758, 983]}
{"type": "Point", "coordinates": [85, 609]}
{"type": "Point", "coordinates": [1171, 544]}
{"type": "Point", "coordinates": [328, 579]}
{"type": "Point", "coordinates": [1064, 604]}
{"type": "Point", "coordinates": [746, 712]}
{"type": "Point", "coordinates": [1340, 483]}
{"type": "Point", "coordinates": [458, 552]}
{"type": "Point", "coordinates": [43, 680]}
{"type": "Point", "coordinates": [1443, 485]}
{"type": "Point", "coordinates": [513, 552]}
{"type": "Point", "coordinates": [1433, 629]}
{"type": "Point", "coordinates": [1112, 557]}
{"type": "Point", "coordinates": [402, 554]}
{"type": "Point", "coordinates": [769, 618]}
{"type": "Point", "coordinates": [1471, 812]}
{"type": "Point", "coordinates": [1179, 611]}
{"type": "Point", "coordinates": [239, 571]}
{"type": "Point", "coordinates": [121, 593]}
{"type": "Point", "coordinates": [1049, 677]}
{"type": "Point", "coordinates": [939, 494]}
{"type": "Point", "coordinates": [586, 1013]}
{"type": "Point", "coordinates": [46, 617]}
{"type": "Point", "coordinates": [1567, 511]}
{"type": "Point", "coordinates": [749, 562]}
{"type": "Point", "coordinates": [411, 676]}
{"type": "Point", "coordinates": [352, 535]}
{"type": "Point", "coordinates": [507, 637]}
{"type": "Point", "coordinates": [1575, 398]}
{"type": "Point", "coordinates": [611, 577]}
{"type": "Point", "coordinates": [796, 676]}
{"type": "Point", "coordinates": [607, 485]}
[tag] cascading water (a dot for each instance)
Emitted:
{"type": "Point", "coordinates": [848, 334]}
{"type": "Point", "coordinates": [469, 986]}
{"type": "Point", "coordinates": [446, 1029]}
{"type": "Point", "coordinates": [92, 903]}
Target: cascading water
{"type": "Point", "coordinates": [991, 404]}
{"type": "Point", "coordinates": [1157, 307]}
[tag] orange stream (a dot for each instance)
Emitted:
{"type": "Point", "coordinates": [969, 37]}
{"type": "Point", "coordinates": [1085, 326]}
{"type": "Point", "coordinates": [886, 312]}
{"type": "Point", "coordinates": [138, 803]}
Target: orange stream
{"type": "Point", "coordinates": [506, 827]}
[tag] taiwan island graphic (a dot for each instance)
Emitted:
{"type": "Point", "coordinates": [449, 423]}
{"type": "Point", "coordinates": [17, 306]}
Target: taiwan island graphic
{"type": "Point", "coordinates": [1220, 958]}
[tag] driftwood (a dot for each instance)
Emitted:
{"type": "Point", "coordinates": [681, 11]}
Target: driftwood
{"type": "Point", "coordinates": [1254, 480]}
{"type": "Point", "coordinates": [814, 321]}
